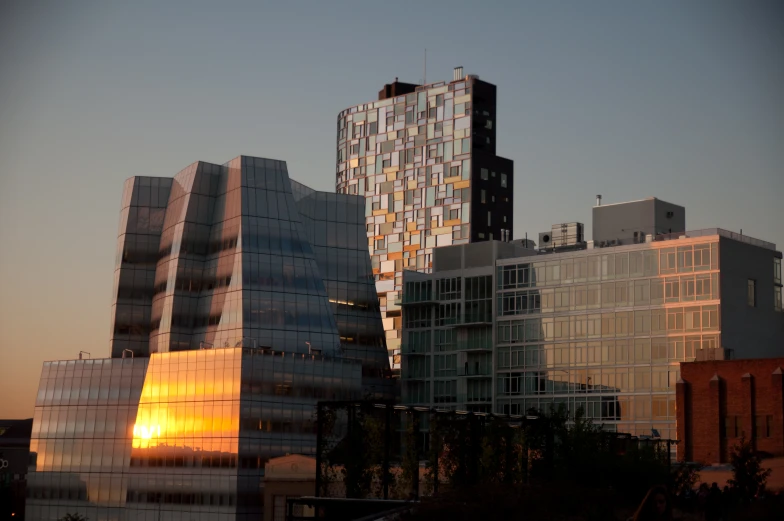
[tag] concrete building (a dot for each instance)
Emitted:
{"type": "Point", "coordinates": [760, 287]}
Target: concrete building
{"type": "Point", "coordinates": [424, 157]}
{"type": "Point", "coordinates": [600, 326]}
{"type": "Point", "coordinates": [288, 477]}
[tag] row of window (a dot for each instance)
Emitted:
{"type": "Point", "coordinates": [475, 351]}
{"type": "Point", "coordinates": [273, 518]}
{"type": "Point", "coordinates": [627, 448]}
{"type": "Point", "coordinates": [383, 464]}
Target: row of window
{"type": "Point", "coordinates": [608, 325]}
{"type": "Point", "coordinates": [622, 408]}
{"type": "Point", "coordinates": [643, 292]}
{"type": "Point", "coordinates": [606, 352]}
{"type": "Point", "coordinates": [733, 427]}
{"type": "Point", "coordinates": [612, 380]}
{"type": "Point", "coordinates": [610, 266]}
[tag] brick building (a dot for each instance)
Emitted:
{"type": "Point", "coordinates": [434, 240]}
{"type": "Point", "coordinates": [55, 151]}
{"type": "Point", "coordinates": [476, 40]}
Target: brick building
{"type": "Point", "coordinates": [720, 401]}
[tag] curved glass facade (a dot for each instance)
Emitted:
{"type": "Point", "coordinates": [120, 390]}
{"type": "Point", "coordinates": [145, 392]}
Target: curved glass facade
{"type": "Point", "coordinates": [239, 255]}
{"type": "Point", "coordinates": [241, 299]}
{"type": "Point", "coordinates": [334, 224]}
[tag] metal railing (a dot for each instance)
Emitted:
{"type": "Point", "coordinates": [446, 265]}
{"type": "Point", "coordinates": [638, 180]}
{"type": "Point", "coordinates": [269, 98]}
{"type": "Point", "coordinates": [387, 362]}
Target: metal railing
{"type": "Point", "coordinates": [474, 371]}
{"type": "Point", "coordinates": [475, 346]}
{"type": "Point", "coordinates": [716, 231]}
{"type": "Point", "coordinates": [464, 398]}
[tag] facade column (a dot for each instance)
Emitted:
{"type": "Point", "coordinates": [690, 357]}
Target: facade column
{"type": "Point", "coordinates": [777, 398]}
{"type": "Point", "coordinates": [682, 399]}
{"type": "Point", "coordinates": [747, 418]}
{"type": "Point", "coordinates": [714, 440]}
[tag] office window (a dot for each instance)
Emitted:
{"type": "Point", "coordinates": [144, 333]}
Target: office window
{"type": "Point", "coordinates": [731, 427]}
{"type": "Point", "coordinates": [483, 173]}
{"type": "Point", "coordinates": [503, 180]}
{"type": "Point", "coordinates": [482, 196]}
{"type": "Point", "coordinates": [489, 218]}
{"type": "Point", "coordinates": [751, 293]}
{"type": "Point", "coordinates": [777, 271]}
{"type": "Point", "coordinates": [777, 298]}
{"type": "Point", "coordinates": [763, 426]}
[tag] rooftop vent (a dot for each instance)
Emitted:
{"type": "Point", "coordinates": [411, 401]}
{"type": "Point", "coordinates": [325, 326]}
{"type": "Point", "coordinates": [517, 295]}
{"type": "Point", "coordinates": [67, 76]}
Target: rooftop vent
{"type": "Point", "coordinates": [457, 73]}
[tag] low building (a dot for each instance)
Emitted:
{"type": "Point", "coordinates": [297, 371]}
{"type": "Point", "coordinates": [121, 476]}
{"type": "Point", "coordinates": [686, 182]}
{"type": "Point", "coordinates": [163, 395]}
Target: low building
{"type": "Point", "coordinates": [178, 433]}
{"type": "Point", "coordinates": [720, 402]}
{"type": "Point", "coordinates": [288, 477]}
{"type": "Point", "coordinates": [14, 460]}
{"type": "Point", "coordinates": [599, 325]}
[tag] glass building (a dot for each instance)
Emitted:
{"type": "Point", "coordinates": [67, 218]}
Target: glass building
{"type": "Point", "coordinates": [424, 158]}
{"type": "Point", "coordinates": [501, 328]}
{"type": "Point", "coordinates": [241, 298]}
{"type": "Point", "coordinates": [179, 435]}
{"type": "Point", "coordinates": [239, 255]}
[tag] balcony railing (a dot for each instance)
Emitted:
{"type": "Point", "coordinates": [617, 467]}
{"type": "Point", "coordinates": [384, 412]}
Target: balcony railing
{"type": "Point", "coordinates": [407, 301]}
{"type": "Point", "coordinates": [474, 371]}
{"type": "Point", "coordinates": [408, 349]}
{"type": "Point", "coordinates": [716, 231]}
{"type": "Point", "coordinates": [465, 398]}
{"type": "Point", "coordinates": [475, 346]}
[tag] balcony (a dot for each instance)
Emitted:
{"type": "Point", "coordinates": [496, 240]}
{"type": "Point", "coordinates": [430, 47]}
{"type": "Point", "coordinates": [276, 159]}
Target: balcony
{"type": "Point", "coordinates": [408, 349]}
{"type": "Point", "coordinates": [464, 398]}
{"type": "Point", "coordinates": [476, 320]}
{"type": "Point", "coordinates": [475, 346]}
{"type": "Point", "coordinates": [481, 371]}
{"type": "Point", "coordinates": [428, 300]}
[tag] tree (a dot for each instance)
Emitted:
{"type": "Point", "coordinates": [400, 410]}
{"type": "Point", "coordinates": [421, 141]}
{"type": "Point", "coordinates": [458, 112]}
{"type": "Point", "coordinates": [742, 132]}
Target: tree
{"type": "Point", "coordinates": [748, 476]}
{"type": "Point", "coordinates": [73, 517]}
{"type": "Point", "coordinates": [684, 478]}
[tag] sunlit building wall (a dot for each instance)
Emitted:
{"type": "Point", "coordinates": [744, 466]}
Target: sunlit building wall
{"type": "Point", "coordinates": [424, 158]}
{"type": "Point", "coordinates": [241, 298]}
{"type": "Point", "coordinates": [598, 329]}
{"type": "Point", "coordinates": [181, 435]}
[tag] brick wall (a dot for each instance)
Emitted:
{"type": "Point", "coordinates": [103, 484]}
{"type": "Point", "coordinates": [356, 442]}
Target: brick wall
{"type": "Point", "coordinates": [743, 391]}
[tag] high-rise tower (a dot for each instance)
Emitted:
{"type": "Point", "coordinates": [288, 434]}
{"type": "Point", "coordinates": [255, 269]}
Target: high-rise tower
{"type": "Point", "coordinates": [424, 157]}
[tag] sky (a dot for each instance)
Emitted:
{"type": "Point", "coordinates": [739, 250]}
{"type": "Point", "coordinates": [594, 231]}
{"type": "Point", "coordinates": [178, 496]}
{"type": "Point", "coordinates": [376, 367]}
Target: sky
{"type": "Point", "coordinates": [679, 100]}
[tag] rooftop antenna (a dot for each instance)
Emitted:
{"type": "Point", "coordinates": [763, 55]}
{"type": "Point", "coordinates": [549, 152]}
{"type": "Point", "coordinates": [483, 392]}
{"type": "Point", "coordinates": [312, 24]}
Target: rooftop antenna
{"type": "Point", "coordinates": [424, 81]}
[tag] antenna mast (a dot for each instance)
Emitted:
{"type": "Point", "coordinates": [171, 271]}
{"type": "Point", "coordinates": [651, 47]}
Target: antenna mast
{"type": "Point", "coordinates": [424, 80]}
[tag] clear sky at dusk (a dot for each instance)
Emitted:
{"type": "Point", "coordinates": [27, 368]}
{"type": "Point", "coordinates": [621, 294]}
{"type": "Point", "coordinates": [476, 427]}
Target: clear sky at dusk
{"type": "Point", "coordinates": [679, 100]}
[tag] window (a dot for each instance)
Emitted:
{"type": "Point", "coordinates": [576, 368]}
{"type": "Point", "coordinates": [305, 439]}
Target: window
{"type": "Point", "coordinates": [489, 218]}
{"type": "Point", "coordinates": [482, 196]}
{"type": "Point", "coordinates": [777, 298]}
{"type": "Point", "coordinates": [763, 426]}
{"type": "Point", "coordinates": [449, 289]}
{"type": "Point", "coordinates": [701, 257]}
{"type": "Point", "coordinates": [777, 271]}
{"type": "Point", "coordinates": [503, 180]}
{"type": "Point", "coordinates": [667, 260]}
{"type": "Point", "coordinates": [445, 391]}
{"type": "Point", "coordinates": [751, 293]}
{"type": "Point", "coordinates": [511, 384]}
{"type": "Point", "coordinates": [731, 427]}
{"type": "Point", "coordinates": [483, 173]}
